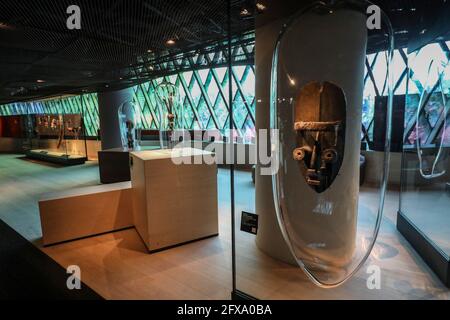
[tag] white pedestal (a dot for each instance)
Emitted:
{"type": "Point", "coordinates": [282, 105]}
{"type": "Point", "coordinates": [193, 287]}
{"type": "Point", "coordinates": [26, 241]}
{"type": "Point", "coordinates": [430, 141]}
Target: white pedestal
{"type": "Point", "coordinates": [173, 204]}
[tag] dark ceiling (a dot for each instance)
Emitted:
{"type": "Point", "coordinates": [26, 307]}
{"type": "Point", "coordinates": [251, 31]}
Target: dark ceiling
{"type": "Point", "coordinates": [40, 56]}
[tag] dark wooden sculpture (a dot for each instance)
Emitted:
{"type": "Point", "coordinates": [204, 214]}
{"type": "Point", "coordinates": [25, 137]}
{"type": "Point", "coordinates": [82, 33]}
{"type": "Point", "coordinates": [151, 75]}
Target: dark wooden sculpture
{"type": "Point", "coordinates": [320, 114]}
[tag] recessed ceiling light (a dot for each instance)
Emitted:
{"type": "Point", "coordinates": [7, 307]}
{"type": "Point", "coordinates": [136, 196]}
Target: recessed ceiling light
{"type": "Point", "coordinates": [40, 81]}
{"type": "Point", "coordinates": [260, 6]}
{"type": "Point", "coordinates": [244, 12]}
{"type": "Point", "coordinates": [149, 51]}
{"type": "Point", "coordinates": [170, 42]}
{"type": "Point", "coordinates": [5, 26]}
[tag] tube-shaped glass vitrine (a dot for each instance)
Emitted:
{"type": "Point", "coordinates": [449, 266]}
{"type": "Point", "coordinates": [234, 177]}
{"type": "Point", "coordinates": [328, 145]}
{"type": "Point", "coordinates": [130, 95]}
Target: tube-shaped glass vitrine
{"type": "Point", "coordinates": [316, 101]}
{"type": "Point", "coordinates": [171, 114]}
{"type": "Point", "coordinates": [318, 218]}
{"type": "Point", "coordinates": [130, 124]}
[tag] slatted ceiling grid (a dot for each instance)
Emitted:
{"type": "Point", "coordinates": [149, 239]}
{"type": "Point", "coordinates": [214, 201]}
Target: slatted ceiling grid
{"type": "Point", "coordinates": [112, 46]}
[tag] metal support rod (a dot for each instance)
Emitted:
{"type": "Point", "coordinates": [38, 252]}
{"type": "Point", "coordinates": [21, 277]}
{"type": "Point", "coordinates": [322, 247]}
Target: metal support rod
{"type": "Point", "coordinates": [83, 125]}
{"type": "Point", "coordinates": [230, 93]}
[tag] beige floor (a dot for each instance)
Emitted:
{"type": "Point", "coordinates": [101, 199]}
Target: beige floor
{"type": "Point", "coordinates": [117, 266]}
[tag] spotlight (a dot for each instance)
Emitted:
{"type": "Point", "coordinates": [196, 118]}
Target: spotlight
{"type": "Point", "coordinates": [40, 81]}
{"type": "Point", "coordinates": [170, 42]}
{"type": "Point", "coordinates": [260, 6]}
{"type": "Point", "coordinates": [244, 12]}
{"type": "Point", "coordinates": [5, 26]}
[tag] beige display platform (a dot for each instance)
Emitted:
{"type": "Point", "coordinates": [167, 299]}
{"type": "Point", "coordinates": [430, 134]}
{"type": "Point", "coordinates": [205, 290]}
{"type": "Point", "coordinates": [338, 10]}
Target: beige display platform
{"type": "Point", "coordinates": [82, 212]}
{"type": "Point", "coordinates": [173, 203]}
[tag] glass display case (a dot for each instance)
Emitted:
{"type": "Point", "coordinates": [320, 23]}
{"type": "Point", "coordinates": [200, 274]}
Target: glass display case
{"type": "Point", "coordinates": [171, 111]}
{"type": "Point", "coordinates": [130, 125]}
{"type": "Point", "coordinates": [425, 183]}
{"type": "Point", "coordinates": [312, 224]}
{"type": "Point", "coordinates": [58, 138]}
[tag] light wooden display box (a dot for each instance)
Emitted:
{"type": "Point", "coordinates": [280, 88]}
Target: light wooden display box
{"type": "Point", "coordinates": [82, 212]}
{"type": "Point", "coordinates": [173, 204]}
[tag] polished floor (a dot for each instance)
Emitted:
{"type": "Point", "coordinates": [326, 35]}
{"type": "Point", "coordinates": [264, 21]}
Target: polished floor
{"type": "Point", "coordinates": [117, 266]}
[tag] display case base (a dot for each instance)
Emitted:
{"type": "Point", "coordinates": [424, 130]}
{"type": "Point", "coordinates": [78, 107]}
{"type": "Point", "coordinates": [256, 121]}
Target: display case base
{"type": "Point", "coordinates": [56, 157]}
{"type": "Point", "coordinates": [239, 295]}
{"type": "Point", "coordinates": [433, 256]}
{"type": "Point", "coordinates": [114, 165]}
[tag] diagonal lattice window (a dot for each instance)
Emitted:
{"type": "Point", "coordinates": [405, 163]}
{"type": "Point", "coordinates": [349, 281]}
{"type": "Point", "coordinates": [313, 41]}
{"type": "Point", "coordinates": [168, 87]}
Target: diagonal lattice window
{"type": "Point", "coordinates": [204, 95]}
{"type": "Point", "coordinates": [204, 92]}
{"type": "Point", "coordinates": [64, 105]}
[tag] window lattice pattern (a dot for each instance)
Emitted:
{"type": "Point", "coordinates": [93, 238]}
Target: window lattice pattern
{"type": "Point", "coordinates": [64, 105]}
{"type": "Point", "coordinates": [375, 85]}
{"type": "Point", "coordinates": [204, 95]}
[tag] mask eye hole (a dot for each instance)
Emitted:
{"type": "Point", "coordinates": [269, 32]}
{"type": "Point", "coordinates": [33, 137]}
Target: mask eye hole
{"type": "Point", "coordinates": [299, 154]}
{"type": "Point", "coordinates": [329, 155]}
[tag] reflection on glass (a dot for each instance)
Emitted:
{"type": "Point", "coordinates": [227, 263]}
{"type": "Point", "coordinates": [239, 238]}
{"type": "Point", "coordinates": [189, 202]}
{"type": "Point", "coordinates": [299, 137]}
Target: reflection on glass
{"type": "Point", "coordinates": [428, 113]}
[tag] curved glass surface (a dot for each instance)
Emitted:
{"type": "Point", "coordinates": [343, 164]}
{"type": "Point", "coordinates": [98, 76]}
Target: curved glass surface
{"type": "Point", "coordinates": [328, 220]}
{"type": "Point", "coordinates": [432, 104]}
{"type": "Point", "coordinates": [130, 125]}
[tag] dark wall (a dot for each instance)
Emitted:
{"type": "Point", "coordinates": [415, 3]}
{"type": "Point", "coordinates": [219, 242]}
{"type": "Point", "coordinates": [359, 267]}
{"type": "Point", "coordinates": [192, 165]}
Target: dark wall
{"type": "Point", "coordinates": [398, 123]}
{"type": "Point", "coordinates": [12, 127]}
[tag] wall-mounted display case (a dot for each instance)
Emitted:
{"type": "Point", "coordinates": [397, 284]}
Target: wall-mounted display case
{"type": "Point", "coordinates": [58, 138]}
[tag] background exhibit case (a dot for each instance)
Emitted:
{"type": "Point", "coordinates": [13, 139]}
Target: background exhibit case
{"type": "Point", "coordinates": [313, 215]}
{"type": "Point", "coordinates": [58, 138]}
{"type": "Point", "coordinates": [424, 210]}
{"type": "Point", "coordinates": [130, 124]}
{"type": "Point", "coordinates": [171, 114]}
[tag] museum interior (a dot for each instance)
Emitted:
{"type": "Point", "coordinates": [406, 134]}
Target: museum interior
{"type": "Point", "coordinates": [168, 149]}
